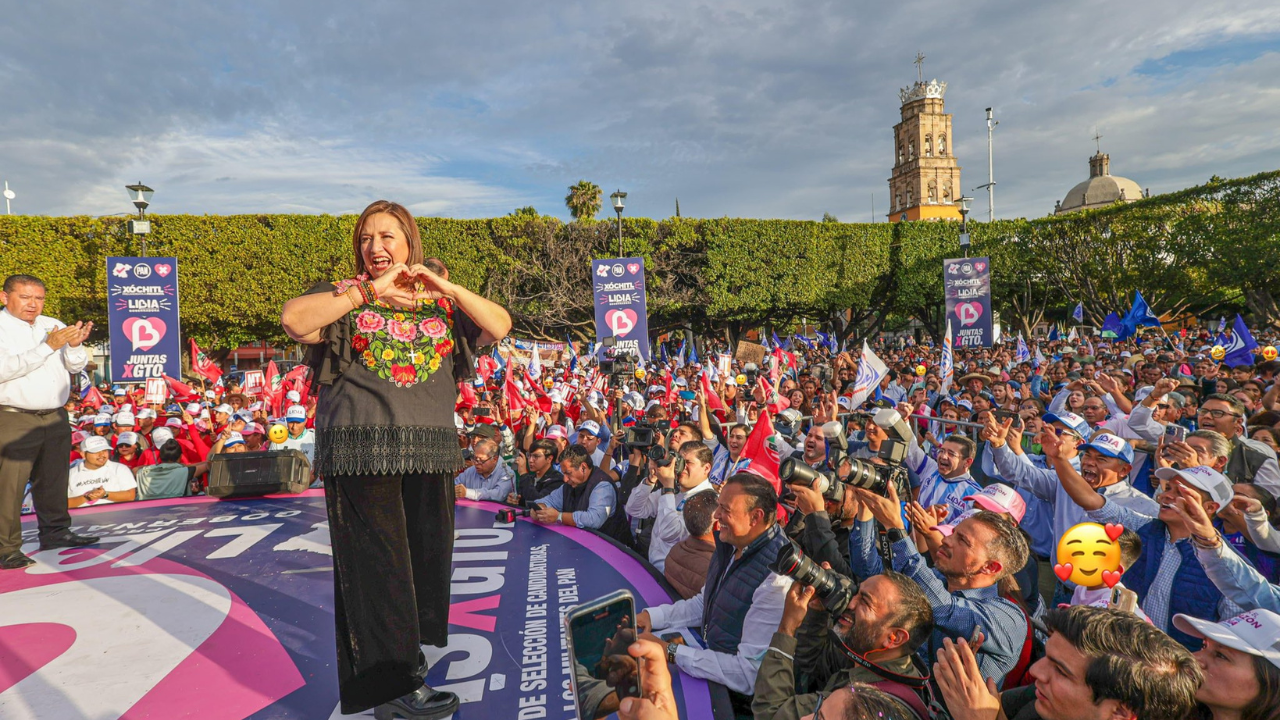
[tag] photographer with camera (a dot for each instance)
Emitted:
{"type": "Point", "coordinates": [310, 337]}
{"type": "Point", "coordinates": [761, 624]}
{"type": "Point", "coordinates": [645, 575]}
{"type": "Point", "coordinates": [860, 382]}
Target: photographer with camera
{"type": "Point", "coordinates": [538, 475]}
{"type": "Point", "coordinates": [964, 586]}
{"type": "Point", "coordinates": [822, 520]}
{"type": "Point", "coordinates": [873, 640]}
{"type": "Point", "coordinates": [678, 476]}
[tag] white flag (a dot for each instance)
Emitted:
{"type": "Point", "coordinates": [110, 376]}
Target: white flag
{"type": "Point", "coordinates": [870, 371]}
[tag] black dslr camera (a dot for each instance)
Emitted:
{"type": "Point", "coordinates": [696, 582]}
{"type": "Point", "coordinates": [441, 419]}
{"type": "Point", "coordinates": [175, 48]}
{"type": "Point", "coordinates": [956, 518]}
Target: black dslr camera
{"type": "Point", "coordinates": [663, 457]}
{"type": "Point", "coordinates": [876, 478]}
{"type": "Point", "coordinates": [823, 374]}
{"type": "Point", "coordinates": [833, 589]}
{"type": "Point", "coordinates": [795, 472]}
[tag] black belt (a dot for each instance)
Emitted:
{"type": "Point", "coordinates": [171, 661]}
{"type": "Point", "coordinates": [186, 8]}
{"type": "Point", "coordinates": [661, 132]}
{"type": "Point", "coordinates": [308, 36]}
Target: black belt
{"type": "Point", "coordinates": [37, 413]}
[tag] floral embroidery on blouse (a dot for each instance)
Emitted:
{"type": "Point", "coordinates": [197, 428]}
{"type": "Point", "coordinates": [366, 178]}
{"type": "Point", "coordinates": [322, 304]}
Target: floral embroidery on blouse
{"type": "Point", "coordinates": [402, 346]}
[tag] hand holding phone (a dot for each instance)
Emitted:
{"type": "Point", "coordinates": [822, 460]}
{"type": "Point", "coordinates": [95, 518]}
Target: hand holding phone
{"type": "Point", "coordinates": [599, 634]}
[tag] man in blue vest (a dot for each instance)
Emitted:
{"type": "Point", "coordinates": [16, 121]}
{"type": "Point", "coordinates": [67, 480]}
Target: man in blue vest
{"type": "Point", "coordinates": [1168, 559]}
{"type": "Point", "coordinates": [741, 604]}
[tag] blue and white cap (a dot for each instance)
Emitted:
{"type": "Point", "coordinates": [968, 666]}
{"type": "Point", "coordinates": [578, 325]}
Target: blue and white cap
{"type": "Point", "coordinates": [1113, 447]}
{"type": "Point", "coordinates": [234, 438]}
{"type": "Point", "coordinates": [295, 413]}
{"type": "Point", "coordinates": [1074, 423]}
{"type": "Point", "coordinates": [1202, 478]}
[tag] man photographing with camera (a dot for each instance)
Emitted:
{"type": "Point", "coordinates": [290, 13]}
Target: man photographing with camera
{"type": "Point", "coordinates": [872, 641]}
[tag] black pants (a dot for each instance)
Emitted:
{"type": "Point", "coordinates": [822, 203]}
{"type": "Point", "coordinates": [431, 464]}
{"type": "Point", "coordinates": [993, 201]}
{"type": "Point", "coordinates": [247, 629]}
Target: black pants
{"type": "Point", "coordinates": [35, 448]}
{"type": "Point", "coordinates": [392, 540]}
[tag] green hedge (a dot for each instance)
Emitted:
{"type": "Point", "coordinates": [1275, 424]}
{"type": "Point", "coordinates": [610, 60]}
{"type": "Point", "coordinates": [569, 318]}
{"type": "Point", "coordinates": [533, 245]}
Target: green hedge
{"type": "Point", "coordinates": [1202, 249]}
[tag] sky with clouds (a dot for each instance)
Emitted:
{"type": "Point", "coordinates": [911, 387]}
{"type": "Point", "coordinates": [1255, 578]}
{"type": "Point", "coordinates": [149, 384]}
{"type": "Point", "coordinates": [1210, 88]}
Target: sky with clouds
{"type": "Point", "coordinates": [738, 108]}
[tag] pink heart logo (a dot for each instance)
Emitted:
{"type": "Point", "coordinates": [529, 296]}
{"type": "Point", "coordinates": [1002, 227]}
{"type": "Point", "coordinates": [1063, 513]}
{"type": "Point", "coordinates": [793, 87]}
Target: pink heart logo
{"type": "Point", "coordinates": [969, 312]}
{"type": "Point", "coordinates": [144, 333]}
{"type": "Point", "coordinates": [976, 266]}
{"type": "Point", "coordinates": [163, 270]}
{"type": "Point", "coordinates": [633, 268]}
{"type": "Point", "coordinates": [621, 322]}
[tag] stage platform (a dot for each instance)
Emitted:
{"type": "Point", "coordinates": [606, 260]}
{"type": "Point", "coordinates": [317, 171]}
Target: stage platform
{"type": "Point", "coordinates": [222, 610]}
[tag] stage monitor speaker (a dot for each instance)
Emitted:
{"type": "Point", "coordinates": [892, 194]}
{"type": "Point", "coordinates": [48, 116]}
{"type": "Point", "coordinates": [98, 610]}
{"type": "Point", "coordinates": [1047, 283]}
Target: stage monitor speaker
{"type": "Point", "coordinates": [258, 473]}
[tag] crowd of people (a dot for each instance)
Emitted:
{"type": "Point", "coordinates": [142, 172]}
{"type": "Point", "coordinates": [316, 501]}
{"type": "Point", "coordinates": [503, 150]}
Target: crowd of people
{"type": "Point", "coordinates": [955, 606]}
{"type": "Point", "coordinates": [879, 536]}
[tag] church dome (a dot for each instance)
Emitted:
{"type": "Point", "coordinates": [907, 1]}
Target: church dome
{"type": "Point", "coordinates": [1101, 189]}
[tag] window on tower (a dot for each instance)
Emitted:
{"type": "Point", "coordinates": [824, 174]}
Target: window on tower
{"type": "Point", "coordinates": [942, 145]}
{"type": "Point", "coordinates": [909, 203]}
{"type": "Point", "coordinates": [933, 192]}
{"type": "Point", "coordinates": [928, 146]}
{"type": "Point", "coordinates": [911, 150]}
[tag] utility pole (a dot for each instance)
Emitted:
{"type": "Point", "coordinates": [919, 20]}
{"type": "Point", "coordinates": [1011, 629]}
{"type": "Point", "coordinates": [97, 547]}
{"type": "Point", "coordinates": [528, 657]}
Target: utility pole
{"type": "Point", "coordinates": [991, 180]}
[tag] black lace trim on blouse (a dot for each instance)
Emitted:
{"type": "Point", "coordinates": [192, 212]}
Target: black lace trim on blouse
{"type": "Point", "coordinates": [386, 450]}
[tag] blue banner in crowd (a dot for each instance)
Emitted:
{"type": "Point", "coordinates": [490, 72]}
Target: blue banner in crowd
{"type": "Point", "coordinates": [967, 284]}
{"type": "Point", "coordinates": [142, 313]}
{"type": "Point", "coordinates": [227, 606]}
{"type": "Point", "coordinates": [621, 312]}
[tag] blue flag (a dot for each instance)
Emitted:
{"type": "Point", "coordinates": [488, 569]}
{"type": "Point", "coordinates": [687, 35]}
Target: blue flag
{"type": "Point", "coordinates": [693, 353]}
{"type": "Point", "coordinates": [1112, 324]}
{"type": "Point", "coordinates": [1024, 353]}
{"type": "Point", "coordinates": [662, 354]}
{"type": "Point", "coordinates": [1079, 313]}
{"type": "Point", "coordinates": [1054, 336]}
{"type": "Point", "coordinates": [496, 356]}
{"type": "Point", "coordinates": [1138, 316]}
{"type": "Point", "coordinates": [1241, 345]}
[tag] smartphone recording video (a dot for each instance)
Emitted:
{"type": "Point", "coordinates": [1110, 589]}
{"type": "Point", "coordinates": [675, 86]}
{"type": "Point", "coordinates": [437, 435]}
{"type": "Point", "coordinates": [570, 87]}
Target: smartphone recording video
{"type": "Point", "coordinates": [599, 633]}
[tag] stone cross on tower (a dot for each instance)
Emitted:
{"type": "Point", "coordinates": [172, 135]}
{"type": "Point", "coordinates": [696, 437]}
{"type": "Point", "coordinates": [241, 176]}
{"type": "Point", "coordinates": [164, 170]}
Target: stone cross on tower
{"type": "Point", "coordinates": [919, 62]}
{"type": "Point", "coordinates": [1097, 139]}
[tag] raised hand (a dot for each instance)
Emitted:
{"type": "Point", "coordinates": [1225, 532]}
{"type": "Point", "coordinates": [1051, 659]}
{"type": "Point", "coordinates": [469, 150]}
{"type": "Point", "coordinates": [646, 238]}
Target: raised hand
{"type": "Point", "coordinates": [967, 695]}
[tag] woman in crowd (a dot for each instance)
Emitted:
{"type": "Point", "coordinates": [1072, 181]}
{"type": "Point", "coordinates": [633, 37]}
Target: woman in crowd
{"type": "Point", "coordinates": [388, 349]}
{"type": "Point", "coordinates": [1241, 665]}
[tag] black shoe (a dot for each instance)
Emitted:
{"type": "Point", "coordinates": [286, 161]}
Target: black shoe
{"type": "Point", "coordinates": [421, 704]}
{"type": "Point", "coordinates": [15, 561]}
{"type": "Point", "coordinates": [68, 540]}
{"type": "Point", "coordinates": [422, 666]}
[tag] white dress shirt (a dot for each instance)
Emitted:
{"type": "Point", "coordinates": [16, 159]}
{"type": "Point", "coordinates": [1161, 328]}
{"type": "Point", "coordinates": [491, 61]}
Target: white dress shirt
{"type": "Point", "coordinates": [668, 527]}
{"type": "Point", "coordinates": [33, 376]}
{"type": "Point", "coordinates": [736, 672]}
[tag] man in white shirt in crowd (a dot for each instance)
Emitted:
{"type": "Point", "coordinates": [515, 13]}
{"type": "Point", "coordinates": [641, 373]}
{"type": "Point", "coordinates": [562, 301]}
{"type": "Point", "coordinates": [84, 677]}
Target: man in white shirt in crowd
{"type": "Point", "coordinates": [300, 437]}
{"type": "Point", "coordinates": [37, 355]}
{"type": "Point", "coordinates": [679, 481]}
{"type": "Point", "coordinates": [96, 479]}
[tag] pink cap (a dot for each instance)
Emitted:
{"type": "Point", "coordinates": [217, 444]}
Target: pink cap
{"type": "Point", "coordinates": [556, 432]}
{"type": "Point", "coordinates": [1001, 499]}
{"type": "Point", "coordinates": [951, 526]}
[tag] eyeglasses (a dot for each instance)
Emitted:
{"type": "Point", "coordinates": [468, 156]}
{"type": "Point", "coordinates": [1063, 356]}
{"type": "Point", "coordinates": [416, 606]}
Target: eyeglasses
{"type": "Point", "coordinates": [1217, 414]}
{"type": "Point", "coordinates": [480, 459]}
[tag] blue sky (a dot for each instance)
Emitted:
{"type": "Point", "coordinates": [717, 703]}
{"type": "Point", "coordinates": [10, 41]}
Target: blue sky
{"type": "Point", "coordinates": [754, 109]}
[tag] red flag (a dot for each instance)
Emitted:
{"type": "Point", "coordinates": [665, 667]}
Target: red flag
{"type": "Point", "coordinates": [516, 401]}
{"type": "Point", "coordinates": [273, 393]}
{"type": "Point", "coordinates": [202, 365]}
{"type": "Point", "coordinates": [764, 458]}
{"type": "Point", "coordinates": [672, 397]}
{"type": "Point", "coordinates": [466, 397]}
{"type": "Point", "coordinates": [714, 403]}
{"type": "Point", "coordinates": [540, 396]}
{"type": "Point", "coordinates": [486, 366]}
{"type": "Point", "coordinates": [181, 391]}
{"type": "Point", "coordinates": [298, 378]}
{"type": "Point", "coordinates": [94, 398]}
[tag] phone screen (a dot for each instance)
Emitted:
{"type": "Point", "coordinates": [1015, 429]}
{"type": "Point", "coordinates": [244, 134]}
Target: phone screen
{"type": "Point", "coordinates": [599, 634]}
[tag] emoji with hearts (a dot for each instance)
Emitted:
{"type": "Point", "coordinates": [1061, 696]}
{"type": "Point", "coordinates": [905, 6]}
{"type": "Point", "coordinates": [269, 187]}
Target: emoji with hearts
{"type": "Point", "coordinates": [1089, 555]}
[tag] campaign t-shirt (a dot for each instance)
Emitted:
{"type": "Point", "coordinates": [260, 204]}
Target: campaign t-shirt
{"type": "Point", "coordinates": [112, 476]}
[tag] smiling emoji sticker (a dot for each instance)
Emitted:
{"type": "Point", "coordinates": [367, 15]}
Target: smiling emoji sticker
{"type": "Point", "coordinates": [1089, 555]}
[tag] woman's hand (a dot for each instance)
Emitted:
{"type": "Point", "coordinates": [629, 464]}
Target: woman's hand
{"type": "Point", "coordinates": [433, 286]}
{"type": "Point", "coordinates": [395, 286]}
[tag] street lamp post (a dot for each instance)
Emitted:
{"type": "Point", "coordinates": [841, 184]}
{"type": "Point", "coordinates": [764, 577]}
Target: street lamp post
{"type": "Point", "coordinates": [617, 197]}
{"type": "Point", "coordinates": [964, 223]}
{"type": "Point", "coordinates": [141, 196]}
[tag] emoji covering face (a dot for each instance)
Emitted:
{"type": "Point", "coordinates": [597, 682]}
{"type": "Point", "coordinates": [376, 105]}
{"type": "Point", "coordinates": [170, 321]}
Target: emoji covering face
{"type": "Point", "coordinates": [1089, 555]}
{"type": "Point", "coordinates": [278, 434]}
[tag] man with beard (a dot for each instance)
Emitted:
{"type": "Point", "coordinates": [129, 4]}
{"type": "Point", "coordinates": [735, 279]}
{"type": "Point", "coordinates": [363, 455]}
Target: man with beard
{"type": "Point", "coordinates": [884, 624]}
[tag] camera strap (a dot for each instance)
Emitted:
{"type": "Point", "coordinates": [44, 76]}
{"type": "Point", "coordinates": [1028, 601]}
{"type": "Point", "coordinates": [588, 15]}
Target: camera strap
{"type": "Point", "coordinates": [914, 691]}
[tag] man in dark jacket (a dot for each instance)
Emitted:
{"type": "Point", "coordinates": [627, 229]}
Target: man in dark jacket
{"type": "Point", "coordinates": [884, 623]}
{"type": "Point", "coordinates": [540, 477]}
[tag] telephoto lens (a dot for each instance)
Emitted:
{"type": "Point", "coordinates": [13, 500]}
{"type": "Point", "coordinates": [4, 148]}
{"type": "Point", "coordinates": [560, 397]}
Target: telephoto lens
{"type": "Point", "coordinates": [867, 476]}
{"type": "Point", "coordinates": [833, 589]}
{"type": "Point", "coordinates": [794, 472]}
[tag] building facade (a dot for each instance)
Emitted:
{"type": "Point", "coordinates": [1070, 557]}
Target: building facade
{"type": "Point", "coordinates": [926, 179]}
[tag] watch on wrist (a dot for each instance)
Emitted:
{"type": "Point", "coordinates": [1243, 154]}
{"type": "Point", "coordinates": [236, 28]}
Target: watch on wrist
{"type": "Point", "coordinates": [895, 534]}
{"type": "Point", "coordinates": [669, 491]}
{"type": "Point", "coordinates": [671, 652]}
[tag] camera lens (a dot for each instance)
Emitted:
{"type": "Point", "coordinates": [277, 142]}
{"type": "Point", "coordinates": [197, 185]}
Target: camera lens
{"type": "Point", "coordinates": [867, 476]}
{"type": "Point", "coordinates": [833, 589]}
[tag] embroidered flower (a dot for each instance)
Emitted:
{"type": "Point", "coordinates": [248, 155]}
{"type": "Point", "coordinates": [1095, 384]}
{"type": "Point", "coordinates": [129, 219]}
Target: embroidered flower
{"type": "Point", "coordinates": [368, 355]}
{"type": "Point", "coordinates": [402, 330]}
{"type": "Point", "coordinates": [388, 354]}
{"type": "Point", "coordinates": [444, 304]}
{"type": "Point", "coordinates": [399, 316]}
{"type": "Point", "coordinates": [418, 358]}
{"type": "Point", "coordinates": [404, 374]}
{"type": "Point", "coordinates": [435, 363]}
{"type": "Point", "coordinates": [444, 347]}
{"type": "Point", "coordinates": [369, 322]}
{"type": "Point", "coordinates": [360, 343]}
{"type": "Point", "coordinates": [433, 327]}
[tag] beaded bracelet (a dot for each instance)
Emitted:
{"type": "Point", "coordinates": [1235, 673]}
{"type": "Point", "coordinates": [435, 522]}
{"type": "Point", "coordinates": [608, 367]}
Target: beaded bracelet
{"type": "Point", "coordinates": [347, 294]}
{"type": "Point", "coordinates": [1205, 543]}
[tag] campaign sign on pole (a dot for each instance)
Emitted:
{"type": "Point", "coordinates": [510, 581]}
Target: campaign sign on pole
{"type": "Point", "coordinates": [967, 284]}
{"type": "Point", "coordinates": [620, 303]}
{"type": "Point", "coordinates": [142, 313]}
{"type": "Point", "coordinates": [157, 391]}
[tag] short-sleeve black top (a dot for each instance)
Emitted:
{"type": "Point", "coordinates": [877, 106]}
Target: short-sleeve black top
{"type": "Point", "coordinates": [387, 382]}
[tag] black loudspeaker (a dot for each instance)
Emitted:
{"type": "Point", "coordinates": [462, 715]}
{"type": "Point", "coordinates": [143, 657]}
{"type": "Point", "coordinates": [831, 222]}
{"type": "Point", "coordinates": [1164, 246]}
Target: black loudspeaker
{"type": "Point", "coordinates": [249, 474]}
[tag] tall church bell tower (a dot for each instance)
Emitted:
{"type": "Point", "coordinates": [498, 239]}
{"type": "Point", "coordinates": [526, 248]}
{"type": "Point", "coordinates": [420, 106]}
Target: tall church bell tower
{"type": "Point", "coordinates": [926, 179]}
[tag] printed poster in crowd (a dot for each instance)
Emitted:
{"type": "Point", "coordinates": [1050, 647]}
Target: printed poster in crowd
{"type": "Point", "coordinates": [967, 284]}
{"type": "Point", "coordinates": [254, 382]}
{"type": "Point", "coordinates": [621, 311]}
{"type": "Point", "coordinates": [157, 391]}
{"type": "Point", "coordinates": [142, 317]}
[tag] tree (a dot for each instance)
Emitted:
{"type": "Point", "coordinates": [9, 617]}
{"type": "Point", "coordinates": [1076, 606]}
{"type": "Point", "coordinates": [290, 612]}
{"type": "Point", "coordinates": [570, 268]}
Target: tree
{"type": "Point", "coordinates": [828, 217]}
{"type": "Point", "coordinates": [583, 200]}
{"type": "Point", "coordinates": [527, 211]}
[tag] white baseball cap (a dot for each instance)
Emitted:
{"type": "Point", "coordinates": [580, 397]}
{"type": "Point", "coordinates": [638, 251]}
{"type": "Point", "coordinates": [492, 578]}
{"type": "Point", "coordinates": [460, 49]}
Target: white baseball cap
{"type": "Point", "coordinates": [127, 438]}
{"type": "Point", "coordinates": [293, 396]}
{"type": "Point", "coordinates": [94, 443]}
{"type": "Point", "coordinates": [234, 438]}
{"type": "Point", "coordinates": [193, 408]}
{"type": "Point", "coordinates": [1202, 478]}
{"type": "Point", "coordinates": [1256, 632]}
{"type": "Point", "coordinates": [173, 422]}
{"type": "Point", "coordinates": [160, 436]}
{"type": "Point", "coordinates": [224, 408]}
{"type": "Point", "coordinates": [146, 413]}
{"type": "Point", "coordinates": [125, 418]}
{"type": "Point", "coordinates": [591, 426]}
